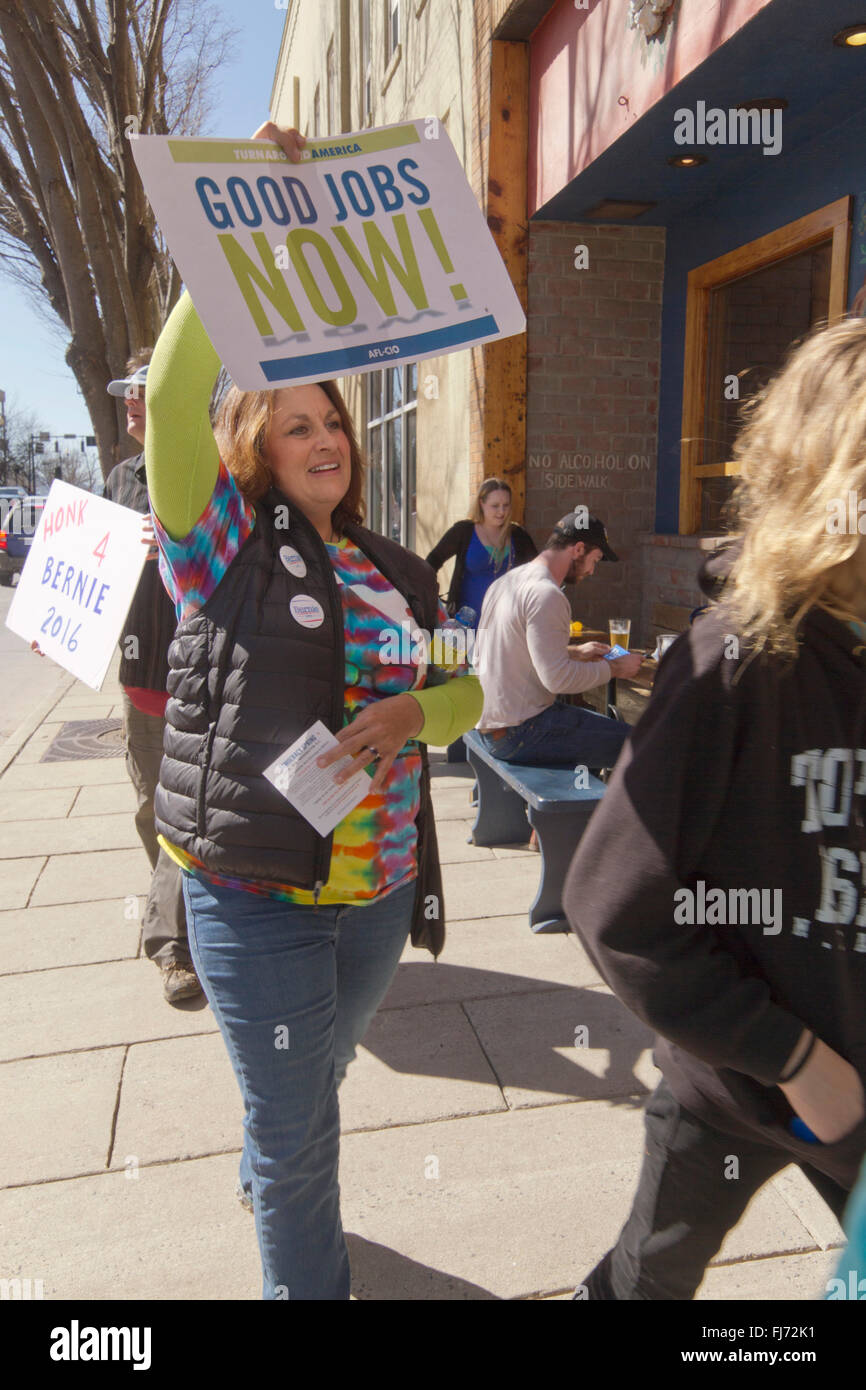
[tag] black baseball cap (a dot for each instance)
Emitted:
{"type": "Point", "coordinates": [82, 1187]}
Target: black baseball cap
{"type": "Point", "coordinates": [580, 526]}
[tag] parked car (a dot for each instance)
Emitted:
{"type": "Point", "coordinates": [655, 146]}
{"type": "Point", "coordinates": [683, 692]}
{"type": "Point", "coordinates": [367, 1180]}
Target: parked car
{"type": "Point", "coordinates": [16, 536]}
{"type": "Point", "coordinates": [8, 495]}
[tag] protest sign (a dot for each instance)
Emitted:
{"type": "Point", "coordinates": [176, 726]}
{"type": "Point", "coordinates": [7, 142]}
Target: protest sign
{"type": "Point", "coordinates": [79, 580]}
{"type": "Point", "coordinates": [370, 251]}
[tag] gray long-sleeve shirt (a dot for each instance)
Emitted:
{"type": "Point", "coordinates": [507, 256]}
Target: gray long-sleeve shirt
{"type": "Point", "coordinates": [521, 652]}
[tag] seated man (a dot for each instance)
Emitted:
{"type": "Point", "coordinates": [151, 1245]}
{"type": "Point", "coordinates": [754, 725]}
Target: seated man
{"type": "Point", "coordinates": [523, 661]}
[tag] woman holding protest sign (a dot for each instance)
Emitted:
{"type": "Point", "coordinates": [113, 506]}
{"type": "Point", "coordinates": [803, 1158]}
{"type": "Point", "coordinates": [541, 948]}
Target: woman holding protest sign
{"type": "Point", "coordinates": [282, 598]}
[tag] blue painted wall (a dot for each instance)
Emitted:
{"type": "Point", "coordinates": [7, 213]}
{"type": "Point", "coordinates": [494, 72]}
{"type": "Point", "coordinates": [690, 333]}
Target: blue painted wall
{"type": "Point", "coordinates": [832, 166]}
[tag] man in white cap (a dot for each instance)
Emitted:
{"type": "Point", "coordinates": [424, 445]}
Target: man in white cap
{"type": "Point", "coordinates": [144, 641]}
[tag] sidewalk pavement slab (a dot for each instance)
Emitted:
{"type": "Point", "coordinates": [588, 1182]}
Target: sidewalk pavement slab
{"type": "Point", "coordinates": [94, 772]}
{"type": "Point", "coordinates": [517, 1204]}
{"type": "Point", "coordinates": [61, 1109]}
{"type": "Point", "coordinates": [38, 805]}
{"type": "Point", "coordinates": [812, 1210]}
{"type": "Point", "coordinates": [81, 878]}
{"type": "Point", "coordinates": [68, 710]}
{"type": "Point", "coordinates": [503, 1218]}
{"type": "Point", "coordinates": [509, 886]}
{"type": "Point", "coordinates": [43, 938]}
{"type": "Point", "coordinates": [111, 800]}
{"type": "Point", "coordinates": [19, 877]}
{"type": "Point", "coordinates": [80, 696]}
{"type": "Point", "coordinates": [71, 835]}
{"type": "Point", "coordinates": [175, 1231]}
{"type": "Point", "coordinates": [454, 848]}
{"type": "Point", "coordinates": [179, 1099]}
{"type": "Point", "coordinates": [564, 1045]}
{"type": "Point", "coordinates": [87, 1006]}
{"type": "Point", "coordinates": [452, 803]}
{"type": "Point", "coordinates": [782, 1278]}
{"type": "Point", "coordinates": [416, 1065]}
{"type": "Point", "coordinates": [483, 958]}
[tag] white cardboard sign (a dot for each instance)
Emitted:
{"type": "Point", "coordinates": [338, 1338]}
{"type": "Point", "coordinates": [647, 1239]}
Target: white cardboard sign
{"type": "Point", "coordinates": [371, 251]}
{"type": "Point", "coordinates": [78, 581]}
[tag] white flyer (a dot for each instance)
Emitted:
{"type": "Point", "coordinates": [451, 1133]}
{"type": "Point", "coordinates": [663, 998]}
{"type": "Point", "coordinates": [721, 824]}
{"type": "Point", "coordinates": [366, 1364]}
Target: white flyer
{"type": "Point", "coordinates": [312, 790]}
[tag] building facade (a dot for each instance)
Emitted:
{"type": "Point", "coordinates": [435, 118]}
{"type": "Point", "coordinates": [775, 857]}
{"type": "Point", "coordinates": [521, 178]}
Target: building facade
{"type": "Point", "coordinates": [678, 192]}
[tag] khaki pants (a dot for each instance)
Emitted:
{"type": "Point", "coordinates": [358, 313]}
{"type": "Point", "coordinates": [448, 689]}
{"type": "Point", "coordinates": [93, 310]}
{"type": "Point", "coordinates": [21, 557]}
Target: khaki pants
{"type": "Point", "coordinates": [164, 927]}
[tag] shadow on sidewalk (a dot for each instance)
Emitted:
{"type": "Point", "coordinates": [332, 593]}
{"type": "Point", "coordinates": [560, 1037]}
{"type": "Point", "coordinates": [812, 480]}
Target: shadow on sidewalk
{"type": "Point", "coordinates": [380, 1273]}
{"type": "Point", "coordinates": [524, 1026]}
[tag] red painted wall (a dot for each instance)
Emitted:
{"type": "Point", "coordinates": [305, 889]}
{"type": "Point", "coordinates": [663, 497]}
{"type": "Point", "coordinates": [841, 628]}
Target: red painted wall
{"type": "Point", "coordinates": [591, 77]}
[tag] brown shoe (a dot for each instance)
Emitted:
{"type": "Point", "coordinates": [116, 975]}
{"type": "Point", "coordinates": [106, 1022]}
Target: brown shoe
{"type": "Point", "coordinates": [179, 981]}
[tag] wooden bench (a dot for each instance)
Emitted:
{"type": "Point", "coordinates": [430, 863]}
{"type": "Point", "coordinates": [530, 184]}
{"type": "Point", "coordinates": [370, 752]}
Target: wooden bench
{"type": "Point", "coordinates": [513, 798]}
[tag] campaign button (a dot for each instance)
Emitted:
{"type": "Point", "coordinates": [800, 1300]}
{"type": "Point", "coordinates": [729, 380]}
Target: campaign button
{"type": "Point", "coordinates": [291, 560]}
{"type": "Point", "coordinates": [307, 611]}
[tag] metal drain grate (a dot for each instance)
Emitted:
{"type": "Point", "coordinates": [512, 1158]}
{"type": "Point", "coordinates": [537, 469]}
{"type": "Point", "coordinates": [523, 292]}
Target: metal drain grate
{"type": "Point", "coordinates": [86, 738]}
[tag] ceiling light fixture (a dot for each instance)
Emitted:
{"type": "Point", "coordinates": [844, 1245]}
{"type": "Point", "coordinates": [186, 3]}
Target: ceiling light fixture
{"type": "Point", "coordinates": [852, 37]}
{"type": "Point", "coordinates": [687, 161]}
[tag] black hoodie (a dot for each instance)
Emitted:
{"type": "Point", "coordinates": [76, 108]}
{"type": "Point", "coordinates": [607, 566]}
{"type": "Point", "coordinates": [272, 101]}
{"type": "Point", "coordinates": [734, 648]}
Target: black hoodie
{"type": "Point", "coordinates": [742, 774]}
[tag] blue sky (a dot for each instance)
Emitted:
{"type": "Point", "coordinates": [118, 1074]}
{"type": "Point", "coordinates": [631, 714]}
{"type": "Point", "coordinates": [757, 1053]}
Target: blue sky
{"type": "Point", "coordinates": [33, 372]}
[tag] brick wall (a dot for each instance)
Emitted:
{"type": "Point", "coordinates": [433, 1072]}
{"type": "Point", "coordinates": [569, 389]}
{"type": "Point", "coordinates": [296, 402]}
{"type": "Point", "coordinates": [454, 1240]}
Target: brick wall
{"type": "Point", "coordinates": [669, 573]}
{"type": "Point", "coordinates": [592, 398]}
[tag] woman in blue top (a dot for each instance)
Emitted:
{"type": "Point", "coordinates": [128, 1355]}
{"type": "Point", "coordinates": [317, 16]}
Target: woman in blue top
{"type": "Point", "coordinates": [486, 545]}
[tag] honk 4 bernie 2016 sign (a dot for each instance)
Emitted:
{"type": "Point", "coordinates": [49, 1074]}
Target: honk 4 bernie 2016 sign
{"type": "Point", "coordinates": [370, 251]}
{"type": "Point", "coordinates": [79, 579]}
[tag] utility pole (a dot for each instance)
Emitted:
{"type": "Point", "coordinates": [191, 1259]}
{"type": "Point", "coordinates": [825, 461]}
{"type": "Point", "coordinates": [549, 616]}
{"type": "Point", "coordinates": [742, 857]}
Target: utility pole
{"type": "Point", "coordinates": [4, 442]}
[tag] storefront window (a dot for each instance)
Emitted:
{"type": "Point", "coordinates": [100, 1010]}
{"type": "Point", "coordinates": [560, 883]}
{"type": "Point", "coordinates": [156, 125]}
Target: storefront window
{"type": "Point", "coordinates": [745, 311]}
{"type": "Point", "coordinates": [391, 452]}
{"type": "Point", "coordinates": [753, 322]}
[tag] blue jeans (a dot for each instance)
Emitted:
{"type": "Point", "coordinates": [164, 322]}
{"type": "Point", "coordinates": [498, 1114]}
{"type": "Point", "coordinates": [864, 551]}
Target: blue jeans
{"type": "Point", "coordinates": [293, 989]}
{"type": "Point", "coordinates": [562, 736]}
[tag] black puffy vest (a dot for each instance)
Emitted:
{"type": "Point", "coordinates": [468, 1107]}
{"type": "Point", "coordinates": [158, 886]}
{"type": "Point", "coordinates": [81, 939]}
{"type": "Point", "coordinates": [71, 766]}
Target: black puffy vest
{"type": "Point", "coordinates": [245, 680]}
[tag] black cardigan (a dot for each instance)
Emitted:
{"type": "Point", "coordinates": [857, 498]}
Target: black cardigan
{"type": "Point", "coordinates": [456, 541]}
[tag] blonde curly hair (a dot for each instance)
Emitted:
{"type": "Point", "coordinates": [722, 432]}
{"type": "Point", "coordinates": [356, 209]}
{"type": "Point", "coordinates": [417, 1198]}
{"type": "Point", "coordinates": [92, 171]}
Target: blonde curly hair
{"type": "Point", "coordinates": [801, 451]}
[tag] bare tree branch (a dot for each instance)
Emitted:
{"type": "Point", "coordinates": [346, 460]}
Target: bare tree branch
{"type": "Point", "coordinates": [77, 79]}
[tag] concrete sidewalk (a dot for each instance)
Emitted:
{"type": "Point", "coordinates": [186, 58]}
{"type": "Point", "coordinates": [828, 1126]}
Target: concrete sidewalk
{"type": "Point", "coordinates": [485, 1155]}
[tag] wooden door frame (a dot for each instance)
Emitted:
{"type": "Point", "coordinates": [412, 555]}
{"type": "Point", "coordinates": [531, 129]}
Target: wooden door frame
{"type": "Point", "coordinates": [830, 222]}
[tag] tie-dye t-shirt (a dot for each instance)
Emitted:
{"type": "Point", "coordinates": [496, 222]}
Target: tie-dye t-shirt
{"type": "Point", "coordinates": [374, 846]}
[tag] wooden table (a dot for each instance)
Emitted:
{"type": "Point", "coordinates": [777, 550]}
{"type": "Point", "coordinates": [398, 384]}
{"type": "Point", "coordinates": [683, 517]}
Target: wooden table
{"type": "Point", "coordinates": [629, 696]}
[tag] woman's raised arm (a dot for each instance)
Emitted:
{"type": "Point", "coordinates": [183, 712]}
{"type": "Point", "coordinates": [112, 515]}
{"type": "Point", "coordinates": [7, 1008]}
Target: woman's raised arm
{"type": "Point", "coordinates": [180, 451]}
{"type": "Point", "coordinates": [179, 448]}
